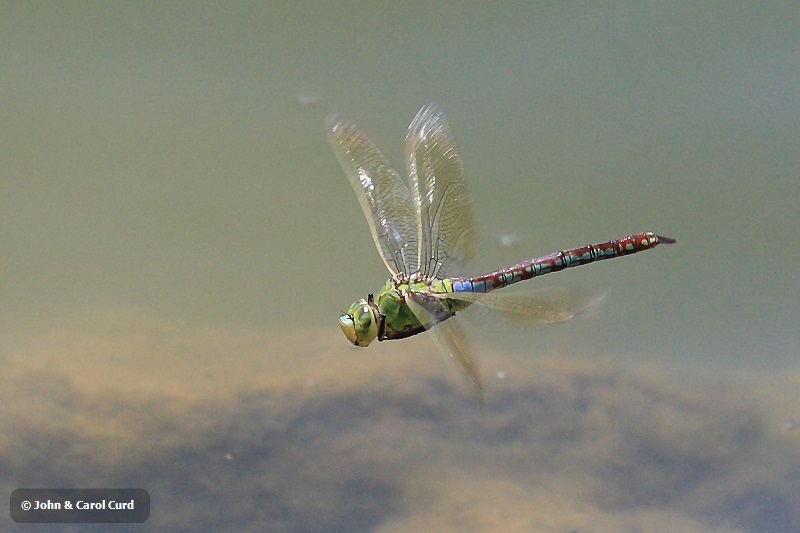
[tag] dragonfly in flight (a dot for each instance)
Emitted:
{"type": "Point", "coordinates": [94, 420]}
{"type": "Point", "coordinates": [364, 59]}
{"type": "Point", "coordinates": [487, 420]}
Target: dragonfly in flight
{"type": "Point", "coordinates": [425, 229]}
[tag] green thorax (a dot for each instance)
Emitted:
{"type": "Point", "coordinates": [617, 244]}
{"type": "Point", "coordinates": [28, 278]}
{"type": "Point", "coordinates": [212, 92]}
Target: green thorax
{"type": "Point", "coordinates": [395, 303]}
{"type": "Point", "coordinates": [392, 304]}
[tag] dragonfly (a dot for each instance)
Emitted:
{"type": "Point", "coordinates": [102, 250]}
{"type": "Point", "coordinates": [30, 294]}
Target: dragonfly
{"type": "Point", "coordinates": [425, 231]}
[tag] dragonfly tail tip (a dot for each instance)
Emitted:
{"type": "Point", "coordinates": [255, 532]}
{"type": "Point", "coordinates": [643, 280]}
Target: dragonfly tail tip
{"type": "Point", "coordinates": [665, 240]}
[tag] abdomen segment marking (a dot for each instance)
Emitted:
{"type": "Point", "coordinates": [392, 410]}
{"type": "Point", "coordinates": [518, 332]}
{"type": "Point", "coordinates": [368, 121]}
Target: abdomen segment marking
{"type": "Point", "coordinates": [558, 261]}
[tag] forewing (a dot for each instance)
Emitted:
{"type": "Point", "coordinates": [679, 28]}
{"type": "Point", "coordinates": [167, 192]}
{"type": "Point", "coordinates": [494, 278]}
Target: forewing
{"type": "Point", "coordinates": [384, 197]}
{"type": "Point", "coordinates": [445, 223]}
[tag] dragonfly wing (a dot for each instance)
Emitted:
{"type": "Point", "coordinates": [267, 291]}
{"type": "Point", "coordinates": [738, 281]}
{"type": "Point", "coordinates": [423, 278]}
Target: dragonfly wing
{"type": "Point", "coordinates": [460, 350]}
{"type": "Point", "coordinates": [430, 312]}
{"type": "Point", "coordinates": [543, 308]}
{"type": "Point", "coordinates": [445, 223]}
{"type": "Point", "coordinates": [384, 197]}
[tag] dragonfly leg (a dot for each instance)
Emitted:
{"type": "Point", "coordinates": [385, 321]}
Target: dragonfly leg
{"type": "Point", "coordinates": [381, 326]}
{"type": "Point", "coordinates": [380, 316]}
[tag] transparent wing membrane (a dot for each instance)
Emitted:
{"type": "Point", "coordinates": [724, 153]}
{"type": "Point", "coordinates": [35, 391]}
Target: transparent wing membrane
{"type": "Point", "coordinates": [383, 196]}
{"type": "Point", "coordinates": [430, 312]}
{"type": "Point", "coordinates": [543, 307]}
{"type": "Point", "coordinates": [458, 348]}
{"type": "Point", "coordinates": [445, 224]}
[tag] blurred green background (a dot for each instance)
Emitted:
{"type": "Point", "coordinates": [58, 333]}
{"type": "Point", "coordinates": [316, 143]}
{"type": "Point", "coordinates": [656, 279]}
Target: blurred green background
{"type": "Point", "coordinates": [165, 176]}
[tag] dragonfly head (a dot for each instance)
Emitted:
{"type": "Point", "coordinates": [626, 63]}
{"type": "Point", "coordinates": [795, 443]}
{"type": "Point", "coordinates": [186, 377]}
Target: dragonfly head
{"type": "Point", "coordinates": [360, 324]}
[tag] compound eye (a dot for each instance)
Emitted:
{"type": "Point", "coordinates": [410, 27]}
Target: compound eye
{"type": "Point", "coordinates": [363, 317]}
{"type": "Point", "coordinates": [348, 328]}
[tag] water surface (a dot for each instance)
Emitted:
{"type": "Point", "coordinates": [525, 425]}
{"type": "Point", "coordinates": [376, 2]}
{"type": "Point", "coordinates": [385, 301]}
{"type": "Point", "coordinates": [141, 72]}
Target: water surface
{"type": "Point", "coordinates": [178, 240]}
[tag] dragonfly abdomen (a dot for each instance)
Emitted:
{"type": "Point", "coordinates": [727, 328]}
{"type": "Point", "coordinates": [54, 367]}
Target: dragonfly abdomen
{"type": "Point", "coordinates": [558, 261]}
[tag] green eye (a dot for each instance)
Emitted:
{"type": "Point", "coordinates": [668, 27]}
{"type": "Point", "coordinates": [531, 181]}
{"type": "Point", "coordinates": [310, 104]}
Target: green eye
{"type": "Point", "coordinates": [363, 316]}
